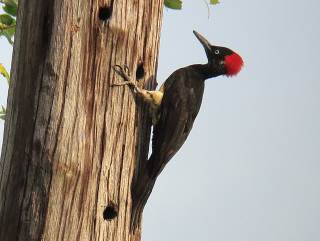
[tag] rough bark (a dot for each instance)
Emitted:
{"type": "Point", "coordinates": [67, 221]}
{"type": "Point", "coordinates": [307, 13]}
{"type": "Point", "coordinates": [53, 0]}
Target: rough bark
{"type": "Point", "coordinates": [72, 143]}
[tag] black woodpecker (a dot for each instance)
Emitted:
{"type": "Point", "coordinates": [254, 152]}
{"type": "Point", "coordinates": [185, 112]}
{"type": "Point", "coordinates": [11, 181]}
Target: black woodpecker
{"type": "Point", "coordinates": [175, 106]}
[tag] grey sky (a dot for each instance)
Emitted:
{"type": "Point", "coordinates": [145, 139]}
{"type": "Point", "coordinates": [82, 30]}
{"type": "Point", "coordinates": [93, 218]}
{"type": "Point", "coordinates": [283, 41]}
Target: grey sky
{"type": "Point", "coordinates": [249, 170]}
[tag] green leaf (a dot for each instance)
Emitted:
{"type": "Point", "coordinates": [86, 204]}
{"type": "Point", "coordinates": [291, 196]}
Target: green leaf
{"type": "Point", "coordinates": [6, 19]}
{"type": "Point", "coordinates": [173, 4]}
{"type": "Point", "coordinates": [3, 113]}
{"type": "Point", "coordinates": [10, 2]}
{"type": "Point", "coordinates": [7, 26]}
{"type": "Point", "coordinates": [213, 2]}
{"type": "Point", "coordinates": [8, 32]}
{"type": "Point", "coordinates": [4, 72]}
{"type": "Point", "coordinates": [10, 9]}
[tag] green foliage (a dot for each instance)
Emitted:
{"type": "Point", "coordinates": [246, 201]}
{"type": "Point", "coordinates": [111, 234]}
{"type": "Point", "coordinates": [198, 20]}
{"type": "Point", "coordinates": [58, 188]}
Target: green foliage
{"type": "Point", "coordinates": [177, 4]}
{"type": "Point", "coordinates": [2, 112]}
{"type": "Point", "coordinates": [6, 75]}
{"type": "Point", "coordinates": [7, 20]}
{"type": "Point", "coordinates": [213, 2]}
{"type": "Point", "coordinates": [173, 4]}
{"type": "Point", "coordinates": [4, 72]}
{"type": "Point", "coordinates": [7, 27]}
{"type": "Point", "coordinates": [10, 9]}
{"type": "Point", "coordinates": [10, 2]}
{"type": "Point", "coordinates": [7, 30]}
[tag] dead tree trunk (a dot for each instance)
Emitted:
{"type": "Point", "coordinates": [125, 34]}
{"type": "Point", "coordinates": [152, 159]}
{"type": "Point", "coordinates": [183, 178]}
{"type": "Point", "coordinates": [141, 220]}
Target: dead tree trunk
{"type": "Point", "coordinates": [71, 142]}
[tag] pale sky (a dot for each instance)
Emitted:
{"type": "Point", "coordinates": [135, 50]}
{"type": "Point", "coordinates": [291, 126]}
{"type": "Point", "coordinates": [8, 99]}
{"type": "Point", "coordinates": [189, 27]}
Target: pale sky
{"type": "Point", "coordinates": [249, 170]}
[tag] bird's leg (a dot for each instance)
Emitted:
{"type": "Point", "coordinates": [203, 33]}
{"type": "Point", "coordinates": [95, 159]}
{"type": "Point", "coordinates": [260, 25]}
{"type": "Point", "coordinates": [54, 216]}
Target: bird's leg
{"type": "Point", "coordinates": [152, 98]}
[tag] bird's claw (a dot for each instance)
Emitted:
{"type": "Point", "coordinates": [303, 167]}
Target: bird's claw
{"type": "Point", "coordinates": [125, 74]}
{"type": "Point", "coordinates": [122, 71]}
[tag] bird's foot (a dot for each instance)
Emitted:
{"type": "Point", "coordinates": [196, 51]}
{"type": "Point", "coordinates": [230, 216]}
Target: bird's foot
{"type": "Point", "coordinates": [125, 74]}
{"type": "Point", "coordinates": [152, 98]}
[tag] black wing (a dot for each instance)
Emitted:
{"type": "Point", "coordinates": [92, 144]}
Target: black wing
{"type": "Point", "coordinates": [179, 107]}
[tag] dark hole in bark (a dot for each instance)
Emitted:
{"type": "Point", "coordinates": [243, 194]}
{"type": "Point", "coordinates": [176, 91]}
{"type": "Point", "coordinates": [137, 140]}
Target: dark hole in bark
{"type": "Point", "coordinates": [105, 13]}
{"type": "Point", "coordinates": [109, 213]}
{"type": "Point", "coordinates": [140, 71]}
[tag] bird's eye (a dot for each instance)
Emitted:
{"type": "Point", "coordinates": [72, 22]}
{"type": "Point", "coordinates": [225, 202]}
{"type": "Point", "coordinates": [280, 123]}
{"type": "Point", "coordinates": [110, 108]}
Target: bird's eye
{"type": "Point", "coordinates": [217, 51]}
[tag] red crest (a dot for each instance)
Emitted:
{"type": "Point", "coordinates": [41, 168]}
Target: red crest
{"type": "Point", "coordinates": [233, 64]}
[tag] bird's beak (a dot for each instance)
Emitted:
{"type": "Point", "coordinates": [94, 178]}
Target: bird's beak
{"type": "Point", "coordinates": [205, 43]}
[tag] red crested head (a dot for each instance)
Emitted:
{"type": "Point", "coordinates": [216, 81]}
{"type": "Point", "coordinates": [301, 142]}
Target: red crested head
{"type": "Point", "coordinates": [233, 64]}
{"type": "Point", "coordinates": [221, 60]}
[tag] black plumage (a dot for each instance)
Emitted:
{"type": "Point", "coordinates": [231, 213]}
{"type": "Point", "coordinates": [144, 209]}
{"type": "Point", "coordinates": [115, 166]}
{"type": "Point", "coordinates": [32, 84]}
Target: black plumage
{"type": "Point", "coordinates": [181, 102]}
{"type": "Point", "coordinates": [180, 99]}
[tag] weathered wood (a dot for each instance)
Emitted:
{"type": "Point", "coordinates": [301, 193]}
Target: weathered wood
{"type": "Point", "coordinates": [71, 142]}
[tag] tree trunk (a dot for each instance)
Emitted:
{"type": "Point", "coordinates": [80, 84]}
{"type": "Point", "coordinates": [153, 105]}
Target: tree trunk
{"type": "Point", "coordinates": [72, 143]}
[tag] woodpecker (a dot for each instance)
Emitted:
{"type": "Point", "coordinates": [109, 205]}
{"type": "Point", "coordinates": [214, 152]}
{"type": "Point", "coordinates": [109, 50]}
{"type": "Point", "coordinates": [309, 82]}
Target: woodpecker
{"type": "Point", "coordinates": [174, 108]}
{"type": "Point", "coordinates": [175, 105]}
